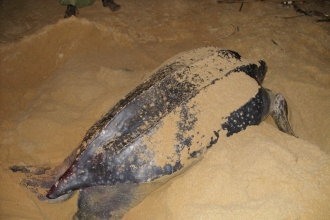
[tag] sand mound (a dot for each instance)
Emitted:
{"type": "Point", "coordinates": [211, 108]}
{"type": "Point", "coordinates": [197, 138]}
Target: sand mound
{"type": "Point", "coordinates": [257, 174]}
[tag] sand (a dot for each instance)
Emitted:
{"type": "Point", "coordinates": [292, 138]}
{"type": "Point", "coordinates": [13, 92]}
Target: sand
{"type": "Point", "coordinates": [59, 76]}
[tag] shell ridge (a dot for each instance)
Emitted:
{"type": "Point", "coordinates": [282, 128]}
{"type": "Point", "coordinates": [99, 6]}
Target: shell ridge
{"type": "Point", "coordinates": [95, 130]}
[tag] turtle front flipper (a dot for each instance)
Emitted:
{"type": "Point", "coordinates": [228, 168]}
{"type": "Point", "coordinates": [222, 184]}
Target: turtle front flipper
{"type": "Point", "coordinates": [279, 112]}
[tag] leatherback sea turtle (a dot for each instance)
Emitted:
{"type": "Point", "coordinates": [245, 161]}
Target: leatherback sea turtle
{"type": "Point", "coordinates": [163, 126]}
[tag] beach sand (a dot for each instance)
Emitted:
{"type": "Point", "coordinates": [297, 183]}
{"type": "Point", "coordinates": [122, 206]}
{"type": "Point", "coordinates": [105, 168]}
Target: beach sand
{"type": "Point", "coordinates": [59, 76]}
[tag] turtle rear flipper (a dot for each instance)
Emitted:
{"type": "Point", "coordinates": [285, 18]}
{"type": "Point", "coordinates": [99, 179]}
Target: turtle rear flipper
{"type": "Point", "coordinates": [39, 179]}
{"type": "Point", "coordinates": [112, 201]}
{"type": "Point", "coordinates": [279, 112]}
{"type": "Point", "coordinates": [105, 202]}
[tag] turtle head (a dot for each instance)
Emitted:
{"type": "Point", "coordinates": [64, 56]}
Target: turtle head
{"type": "Point", "coordinates": [261, 71]}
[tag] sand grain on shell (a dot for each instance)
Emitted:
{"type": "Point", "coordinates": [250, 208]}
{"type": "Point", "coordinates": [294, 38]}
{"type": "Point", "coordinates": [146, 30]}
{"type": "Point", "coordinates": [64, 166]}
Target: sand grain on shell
{"type": "Point", "coordinates": [58, 80]}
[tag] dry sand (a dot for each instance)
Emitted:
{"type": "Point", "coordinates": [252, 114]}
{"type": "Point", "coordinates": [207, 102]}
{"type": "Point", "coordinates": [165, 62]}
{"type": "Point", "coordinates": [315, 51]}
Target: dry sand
{"type": "Point", "coordinates": [59, 76]}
